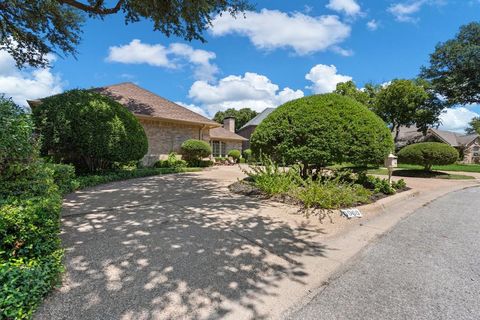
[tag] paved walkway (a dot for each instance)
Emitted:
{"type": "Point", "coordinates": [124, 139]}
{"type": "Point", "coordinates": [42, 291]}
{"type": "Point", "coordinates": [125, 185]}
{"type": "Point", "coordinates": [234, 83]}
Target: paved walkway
{"type": "Point", "coordinates": [173, 246]}
{"type": "Point", "coordinates": [183, 246]}
{"type": "Point", "coordinates": [428, 267]}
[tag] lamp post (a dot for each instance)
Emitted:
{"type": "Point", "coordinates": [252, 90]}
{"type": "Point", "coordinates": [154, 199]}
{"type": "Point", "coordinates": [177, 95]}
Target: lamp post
{"type": "Point", "coordinates": [390, 163]}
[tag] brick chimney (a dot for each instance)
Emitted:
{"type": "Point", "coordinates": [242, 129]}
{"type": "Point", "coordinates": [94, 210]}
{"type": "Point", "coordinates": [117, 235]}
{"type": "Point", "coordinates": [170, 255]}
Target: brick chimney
{"type": "Point", "coordinates": [229, 123]}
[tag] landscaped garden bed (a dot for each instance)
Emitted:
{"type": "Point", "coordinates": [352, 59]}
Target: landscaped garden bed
{"type": "Point", "coordinates": [324, 190]}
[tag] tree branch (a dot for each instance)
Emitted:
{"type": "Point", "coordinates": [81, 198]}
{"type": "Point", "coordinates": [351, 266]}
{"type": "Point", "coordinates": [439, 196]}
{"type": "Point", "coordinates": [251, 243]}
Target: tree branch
{"type": "Point", "coordinates": [96, 9]}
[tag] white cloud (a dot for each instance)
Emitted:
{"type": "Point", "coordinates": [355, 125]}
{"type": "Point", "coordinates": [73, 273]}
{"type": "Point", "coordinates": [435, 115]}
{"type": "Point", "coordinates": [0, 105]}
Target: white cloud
{"type": "Point", "coordinates": [250, 90]}
{"type": "Point", "coordinates": [404, 11]}
{"type": "Point", "coordinates": [372, 25]}
{"type": "Point", "coordinates": [325, 78]}
{"type": "Point", "coordinates": [349, 7]}
{"type": "Point", "coordinates": [456, 119]}
{"type": "Point", "coordinates": [28, 84]}
{"type": "Point", "coordinates": [273, 29]}
{"type": "Point", "coordinates": [172, 57]}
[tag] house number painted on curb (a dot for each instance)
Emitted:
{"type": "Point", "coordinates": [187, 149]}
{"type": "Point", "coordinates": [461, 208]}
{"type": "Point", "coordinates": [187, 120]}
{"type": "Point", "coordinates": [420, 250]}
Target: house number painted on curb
{"type": "Point", "coordinates": [351, 213]}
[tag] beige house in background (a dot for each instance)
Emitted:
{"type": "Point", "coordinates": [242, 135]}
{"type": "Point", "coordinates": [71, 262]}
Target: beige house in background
{"type": "Point", "coordinates": [467, 145]}
{"type": "Point", "coordinates": [167, 124]}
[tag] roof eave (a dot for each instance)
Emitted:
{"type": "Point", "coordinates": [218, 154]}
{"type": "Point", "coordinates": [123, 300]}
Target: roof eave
{"type": "Point", "coordinates": [196, 123]}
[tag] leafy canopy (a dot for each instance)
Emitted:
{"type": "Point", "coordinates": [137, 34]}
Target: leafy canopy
{"type": "Point", "coordinates": [365, 96]}
{"type": "Point", "coordinates": [17, 143]}
{"type": "Point", "coordinates": [428, 154]}
{"type": "Point", "coordinates": [407, 103]}
{"type": "Point", "coordinates": [89, 130]}
{"type": "Point", "coordinates": [31, 29]}
{"type": "Point", "coordinates": [241, 116]}
{"type": "Point", "coordinates": [321, 130]}
{"type": "Point", "coordinates": [455, 66]}
{"type": "Point", "coordinates": [473, 126]}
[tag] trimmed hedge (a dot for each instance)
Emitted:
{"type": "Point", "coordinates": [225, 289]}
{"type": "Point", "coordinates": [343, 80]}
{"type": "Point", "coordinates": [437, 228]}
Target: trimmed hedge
{"type": "Point", "coordinates": [17, 144]}
{"type": "Point", "coordinates": [428, 154]}
{"type": "Point", "coordinates": [194, 150]}
{"type": "Point", "coordinates": [321, 130]}
{"type": "Point", "coordinates": [235, 154]}
{"type": "Point", "coordinates": [30, 253]}
{"type": "Point", "coordinates": [89, 130]}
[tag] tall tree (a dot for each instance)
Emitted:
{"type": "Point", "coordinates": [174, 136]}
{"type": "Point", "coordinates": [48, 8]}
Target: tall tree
{"type": "Point", "coordinates": [473, 126]}
{"type": "Point", "coordinates": [242, 116]}
{"type": "Point", "coordinates": [365, 95]}
{"type": "Point", "coordinates": [31, 29]}
{"type": "Point", "coordinates": [454, 69]}
{"type": "Point", "coordinates": [401, 104]}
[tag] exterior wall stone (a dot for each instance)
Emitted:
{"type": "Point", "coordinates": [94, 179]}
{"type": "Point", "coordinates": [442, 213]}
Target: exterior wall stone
{"type": "Point", "coordinates": [165, 137]}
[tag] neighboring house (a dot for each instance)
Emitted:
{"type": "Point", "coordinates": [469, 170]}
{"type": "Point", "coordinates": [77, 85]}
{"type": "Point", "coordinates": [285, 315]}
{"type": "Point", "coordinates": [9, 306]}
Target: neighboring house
{"type": "Point", "coordinates": [247, 130]}
{"type": "Point", "coordinates": [167, 124]}
{"type": "Point", "coordinates": [467, 145]}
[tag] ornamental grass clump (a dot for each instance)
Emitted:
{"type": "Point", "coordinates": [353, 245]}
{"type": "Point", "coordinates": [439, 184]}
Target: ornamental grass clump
{"type": "Point", "coordinates": [331, 194]}
{"type": "Point", "coordinates": [272, 179]}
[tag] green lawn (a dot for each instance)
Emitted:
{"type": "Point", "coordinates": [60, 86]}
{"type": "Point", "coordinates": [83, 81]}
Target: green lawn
{"type": "Point", "coordinates": [452, 167]}
{"type": "Point", "coordinates": [419, 173]}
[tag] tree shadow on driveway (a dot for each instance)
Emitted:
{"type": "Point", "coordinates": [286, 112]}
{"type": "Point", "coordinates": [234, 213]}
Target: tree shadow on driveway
{"type": "Point", "coordinates": [165, 253]}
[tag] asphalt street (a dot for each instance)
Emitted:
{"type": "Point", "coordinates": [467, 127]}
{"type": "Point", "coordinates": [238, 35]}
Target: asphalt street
{"type": "Point", "coordinates": [426, 267]}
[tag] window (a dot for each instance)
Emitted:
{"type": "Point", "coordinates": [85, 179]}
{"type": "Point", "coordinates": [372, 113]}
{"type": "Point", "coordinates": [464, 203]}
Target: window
{"type": "Point", "coordinates": [218, 149]}
{"type": "Point", "coordinates": [476, 150]}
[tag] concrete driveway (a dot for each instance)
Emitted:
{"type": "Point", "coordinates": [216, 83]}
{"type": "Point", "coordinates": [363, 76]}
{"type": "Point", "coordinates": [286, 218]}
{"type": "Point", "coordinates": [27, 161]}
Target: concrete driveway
{"type": "Point", "coordinates": [176, 246]}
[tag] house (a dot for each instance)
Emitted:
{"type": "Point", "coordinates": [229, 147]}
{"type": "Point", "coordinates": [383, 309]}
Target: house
{"type": "Point", "coordinates": [467, 145]}
{"type": "Point", "coordinates": [167, 124]}
{"type": "Point", "coordinates": [247, 129]}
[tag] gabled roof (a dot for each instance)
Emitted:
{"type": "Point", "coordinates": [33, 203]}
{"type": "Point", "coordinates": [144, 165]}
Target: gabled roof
{"type": "Point", "coordinates": [224, 134]}
{"type": "Point", "coordinates": [258, 119]}
{"type": "Point", "coordinates": [454, 139]}
{"type": "Point", "coordinates": [142, 102]}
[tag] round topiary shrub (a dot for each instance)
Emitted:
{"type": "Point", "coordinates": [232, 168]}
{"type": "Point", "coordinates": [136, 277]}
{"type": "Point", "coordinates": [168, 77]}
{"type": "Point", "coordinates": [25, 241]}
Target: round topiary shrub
{"type": "Point", "coordinates": [193, 150]}
{"type": "Point", "coordinates": [247, 154]}
{"type": "Point", "coordinates": [320, 130]}
{"type": "Point", "coordinates": [89, 130]}
{"type": "Point", "coordinates": [235, 154]}
{"type": "Point", "coordinates": [428, 154]}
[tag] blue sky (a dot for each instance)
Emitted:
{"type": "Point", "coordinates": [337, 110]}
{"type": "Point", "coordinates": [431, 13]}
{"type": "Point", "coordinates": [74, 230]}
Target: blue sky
{"type": "Point", "coordinates": [281, 51]}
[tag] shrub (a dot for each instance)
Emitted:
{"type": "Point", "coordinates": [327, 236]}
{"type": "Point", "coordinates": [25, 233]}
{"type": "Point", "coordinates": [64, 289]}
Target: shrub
{"type": "Point", "coordinates": [30, 253]}
{"type": "Point", "coordinates": [194, 150]}
{"type": "Point", "coordinates": [376, 184]}
{"type": "Point", "coordinates": [235, 154]}
{"type": "Point", "coordinates": [272, 179]}
{"type": "Point", "coordinates": [171, 162]}
{"type": "Point", "coordinates": [89, 130]}
{"type": "Point", "coordinates": [331, 194]}
{"type": "Point", "coordinates": [428, 154]}
{"type": "Point", "coordinates": [247, 154]}
{"type": "Point", "coordinates": [17, 143]}
{"type": "Point", "coordinates": [320, 130]}
{"type": "Point", "coordinates": [64, 177]}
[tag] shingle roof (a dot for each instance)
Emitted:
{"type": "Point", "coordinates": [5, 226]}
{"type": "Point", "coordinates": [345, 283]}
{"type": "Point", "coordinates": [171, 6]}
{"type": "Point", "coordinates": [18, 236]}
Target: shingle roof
{"type": "Point", "coordinates": [224, 134]}
{"type": "Point", "coordinates": [454, 139]}
{"type": "Point", "coordinates": [145, 103]}
{"type": "Point", "coordinates": [259, 118]}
